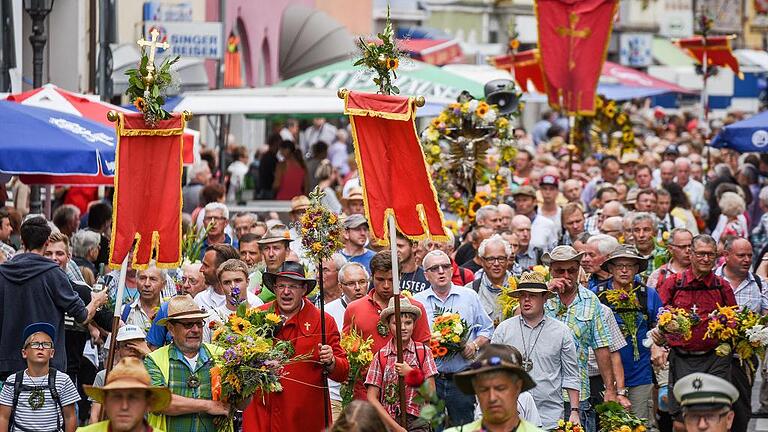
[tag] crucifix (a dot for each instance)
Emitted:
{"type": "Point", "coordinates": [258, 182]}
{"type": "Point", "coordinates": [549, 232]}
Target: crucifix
{"type": "Point", "coordinates": [307, 326]}
{"type": "Point", "coordinates": [573, 21]}
{"type": "Point", "coordinates": [153, 45]}
{"type": "Point", "coordinates": [695, 309]}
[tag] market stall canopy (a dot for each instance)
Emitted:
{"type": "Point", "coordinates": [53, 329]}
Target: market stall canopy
{"type": "Point", "coordinates": [191, 71]}
{"type": "Point", "coordinates": [752, 58]}
{"type": "Point", "coordinates": [433, 51]}
{"type": "Point", "coordinates": [619, 82]}
{"type": "Point", "coordinates": [309, 39]}
{"type": "Point", "coordinates": [750, 135]}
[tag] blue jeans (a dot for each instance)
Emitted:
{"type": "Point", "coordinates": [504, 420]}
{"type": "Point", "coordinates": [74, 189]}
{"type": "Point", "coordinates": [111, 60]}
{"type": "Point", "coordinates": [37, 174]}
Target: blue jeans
{"type": "Point", "coordinates": [460, 406]}
{"type": "Point", "coordinates": [586, 413]}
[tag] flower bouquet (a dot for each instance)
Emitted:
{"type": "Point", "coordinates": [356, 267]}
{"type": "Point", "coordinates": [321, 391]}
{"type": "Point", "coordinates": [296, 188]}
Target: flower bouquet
{"type": "Point", "coordinates": [676, 323]}
{"type": "Point", "coordinates": [321, 229]}
{"type": "Point", "coordinates": [614, 418]}
{"type": "Point", "coordinates": [359, 355]}
{"type": "Point", "coordinates": [626, 301]}
{"type": "Point", "coordinates": [723, 326]}
{"type": "Point", "coordinates": [508, 301]}
{"type": "Point", "coordinates": [382, 58]}
{"type": "Point", "coordinates": [449, 333]}
{"type": "Point", "coordinates": [743, 332]}
{"type": "Point", "coordinates": [566, 426]}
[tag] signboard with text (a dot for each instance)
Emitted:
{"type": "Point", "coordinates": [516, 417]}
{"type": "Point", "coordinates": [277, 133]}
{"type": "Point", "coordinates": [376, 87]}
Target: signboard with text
{"type": "Point", "coordinates": [635, 49]}
{"type": "Point", "coordinates": [189, 39]}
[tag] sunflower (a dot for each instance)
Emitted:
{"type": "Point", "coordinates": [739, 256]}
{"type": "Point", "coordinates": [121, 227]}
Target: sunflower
{"type": "Point", "coordinates": [482, 109]}
{"type": "Point", "coordinates": [628, 137]}
{"type": "Point", "coordinates": [140, 104]}
{"type": "Point", "coordinates": [514, 44]}
{"type": "Point", "coordinates": [239, 325]}
{"type": "Point", "coordinates": [598, 103]}
{"type": "Point", "coordinates": [474, 206]}
{"type": "Point", "coordinates": [621, 119]}
{"type": "Point", "coordinates": [273, 318]}
{"type": "Point", "coordinates": [392, 63]}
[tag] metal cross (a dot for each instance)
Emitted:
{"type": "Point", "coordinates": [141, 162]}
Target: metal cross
{"type": "Point", "coordinates": [573, 21]}
{"type": "Point", "coordinates": [153, 45]}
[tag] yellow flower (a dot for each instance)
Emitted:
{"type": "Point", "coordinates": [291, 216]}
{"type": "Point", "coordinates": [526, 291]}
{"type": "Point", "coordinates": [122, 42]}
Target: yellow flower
{"type": "Point", "coordinates": [434, 149]}
{"type": "Point", "coordinates": [482, 109]}
{"type": "Point", "coordinates": [625, 428]}
{"type": "Point", "coordinates": [514, 44]}
{"type": "Point", "coordinates": [261, 346]}
{"type": "Point", "coordinates": [640, 428]}
{"type": "Point", "coordinates": [317, 246]}
{"type": "Point", "coordinates": [217, 333]}
{"type": "Point", "coordinates": [273, 318]}
{"type": "Point", "coordinates": [512, 283]}
{"type": "Point", "coordinates": [239, 325]}
{"type": "Point", "coordinates": [665, 236]}
{"type": "Point", "coordinates": [139, 104]}
{"type": "Point", "coordinates": [392, 63]}
{"type": "Point", "coordinates": [542, 270]}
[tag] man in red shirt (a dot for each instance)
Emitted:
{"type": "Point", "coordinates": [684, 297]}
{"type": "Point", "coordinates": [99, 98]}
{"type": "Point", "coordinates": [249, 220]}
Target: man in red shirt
{"type": "Point", "coordinates": [299, 406]}
{"type": "Point", "coordinates": [363, 314]}
{"type": "Point", "coordinates": [697, 289]}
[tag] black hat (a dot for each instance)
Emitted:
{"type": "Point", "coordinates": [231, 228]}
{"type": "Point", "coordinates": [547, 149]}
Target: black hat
{"type": "Point", "coordinates": [290, 270]}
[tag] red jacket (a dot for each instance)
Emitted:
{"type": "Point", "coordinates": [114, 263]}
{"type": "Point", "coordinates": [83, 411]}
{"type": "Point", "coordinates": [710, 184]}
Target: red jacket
{"type": "Point", "coordinates": [461, 276]}
{"type": "Point", "coordinates": [299, 407]}
{"type": "Point", "coordinates": [684, 290]}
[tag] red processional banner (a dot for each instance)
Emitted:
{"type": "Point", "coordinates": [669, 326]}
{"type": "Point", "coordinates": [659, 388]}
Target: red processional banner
{"type": "Point", "coordinates": [718, 49]}
{"type": "Point", "coordinates": [393, 172]}
{"type": "Point", "coordinates": [573, 41]}
{"type": "Point", "coordinates": [526, 66]}
{"type": "Point", "coordinates": [147, 200]}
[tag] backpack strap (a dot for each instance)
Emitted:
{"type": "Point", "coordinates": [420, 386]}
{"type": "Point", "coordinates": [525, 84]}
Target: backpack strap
{"type": "Point", "coordinates": [125, 313]}
{"type": "Point", "coordinates": [758, 281]}
{"type": "Point", "coordinates": [55, 394]}
{"type": "Point", "coordinates": [18, 380]}
{"type": "Point", "coordinates": [476, 284]}
{"type": "Point", "coordinates": [463, 276]}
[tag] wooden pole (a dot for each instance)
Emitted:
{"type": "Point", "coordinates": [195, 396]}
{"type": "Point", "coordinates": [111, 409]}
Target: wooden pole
{"type": "Point", "coordinates": [115, 323]}
{"type": "Point", "coordinates": [572, 144]}
{"type": "Point", "coordinates": [326, 394]}
{"type": "Point", "coordinates": [398, 325]}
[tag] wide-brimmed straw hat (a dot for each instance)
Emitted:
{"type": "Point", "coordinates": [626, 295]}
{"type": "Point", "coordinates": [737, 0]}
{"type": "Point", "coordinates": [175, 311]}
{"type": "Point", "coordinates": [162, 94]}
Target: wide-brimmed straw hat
{"type": "Point", "coordinates": [291, 270]}
{"type": "Point", "coordinates": [532, 282]}
{"type": "Point", "coordinates": [130, 374]}
{"type": "Point", "coordinates": [182, 307]}
{"type": "Point", "coordinates": [300, 202]}
{"type": "Point", "coordinates": [354, 193]}
{"type": "Point", "coordinates": [626, 251]}
{"type": "Point", "coordinates": [405, 307]}
{"type": "Point", "coordinates": [561, 254]}
{"type": "Point", "coordinates": [494, 357]}
{"type": "Point", "coordinates": [275, 233]}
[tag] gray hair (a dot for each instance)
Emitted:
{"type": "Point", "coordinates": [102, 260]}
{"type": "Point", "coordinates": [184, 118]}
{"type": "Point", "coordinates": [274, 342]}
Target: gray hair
{"type": "Point", "coordinates": [731, 204]}
{"type": "Point", "coordinates": [253, 216]}
{"type": "Point", "coordinates": [723, 170]}
{"type": "Point", "coordinates": [605, 243]}
{"type": "Point", "coordinates": [704, 238]}
{"type": "Point", "coordinates": [198, 168]}
{"type": "Point", "coordinates": [153, 265]}
{"type": "Point", "coordinates": [338, 260]}
{"type": "Point", "coordinates": [495, 239]}
{"type": "Point", "coordinates": [643, 216]}
{"type": "Point", "coordinates": [682, 160]}
{"type": "Point", "coordinates": [217, 206]}
{"type": "Point", "coordinates": [434, 253]}
{"type": "Point", "coordinates": [343, 270]}
{"type": "Point", "coordinates": [764, 196]}
{"type": "Point", "coordinates": [83, 241]}
{"type": "Point", "coordinates": [485, 211]}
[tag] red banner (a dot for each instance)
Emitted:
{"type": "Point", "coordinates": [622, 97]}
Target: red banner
{"type": "Point", "coordinates": [718, 49]}
{"type": "Point", "coordinates": [526, 66]}
{"type": "Point", "coordinates": [147, 200]}
{"type": "Point", "coordinates": [393, 172]}
{"type": "Point", "coordinates": [573, 40]}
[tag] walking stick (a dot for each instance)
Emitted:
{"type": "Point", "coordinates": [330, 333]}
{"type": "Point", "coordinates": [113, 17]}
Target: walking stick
{"type": "Point", "coordinates": [326, 394]}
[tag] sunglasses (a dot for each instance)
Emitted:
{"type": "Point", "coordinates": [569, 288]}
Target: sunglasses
{"type": "Point", "coordinates": [491, 361]}
{"type": "Point", "coordinates": [190, 324]}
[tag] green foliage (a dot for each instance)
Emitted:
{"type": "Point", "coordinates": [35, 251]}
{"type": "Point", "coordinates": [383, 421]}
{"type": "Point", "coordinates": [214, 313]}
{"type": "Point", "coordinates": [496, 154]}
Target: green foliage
{"type": "Point", "coordinates": [147, 87]}
{"type": "Point", "coordinates": [382, 58]}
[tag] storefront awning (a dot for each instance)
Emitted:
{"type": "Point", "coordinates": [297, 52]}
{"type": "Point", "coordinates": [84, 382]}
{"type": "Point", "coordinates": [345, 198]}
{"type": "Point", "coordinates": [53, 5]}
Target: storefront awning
{"type": "Point", "coordinates": [433, 51]}
{"type": "Point", "coordinates": [752, 58]}
{"type": "Point", "coordinates": [668, 54]}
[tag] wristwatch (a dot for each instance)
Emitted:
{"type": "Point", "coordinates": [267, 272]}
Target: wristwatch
{"type": "Point", "coordinates": [623, 392]}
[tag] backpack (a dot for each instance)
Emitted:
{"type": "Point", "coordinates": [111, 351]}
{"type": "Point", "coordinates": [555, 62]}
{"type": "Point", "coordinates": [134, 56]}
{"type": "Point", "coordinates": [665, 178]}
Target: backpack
{"type": "Point", "coordinates": [419, 360]}
{"type": "Point", "coordinates": [19, 386]}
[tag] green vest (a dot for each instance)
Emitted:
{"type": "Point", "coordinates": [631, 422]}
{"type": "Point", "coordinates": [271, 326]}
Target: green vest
{"type": "Point", "coordinates": [104, 427]}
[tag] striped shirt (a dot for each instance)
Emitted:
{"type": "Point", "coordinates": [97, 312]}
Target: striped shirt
{"type": "Point", "coordinates": [749, 293]}
{"type": "Point", "coordinates": [44, 418]}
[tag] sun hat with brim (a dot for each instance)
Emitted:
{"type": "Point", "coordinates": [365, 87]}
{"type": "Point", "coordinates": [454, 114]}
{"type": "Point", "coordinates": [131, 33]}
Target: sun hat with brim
{"type": "Point", "coordinates": [701, 391]}
{"type": "Point", "coordinates": [405, 307]}
{"type": "Point", "coordinates": [130, 374]}
{"type": "Point", "coordinates": [275, 233]}
{"type": "Point", "coordinates": [626, 251]}
{"type": "Point", "coordinates": [291, 270]}
{"type": "Point", "coordinates": [182, 307]}
{"type": "Point", "coordinates": [561, 254]}
{"type": "Point", "coordinates": [300, 202]}
{"type": "Point", "coordinates": [531, 282]}
{"type": "Point", "coordinates": [126, 333]}
{"type": "Point", "coordinates": [494, 357]}
{"type": "Point", "coordinates": [355, 193]}
{"type": "Point", "coordinates": [39, 327]}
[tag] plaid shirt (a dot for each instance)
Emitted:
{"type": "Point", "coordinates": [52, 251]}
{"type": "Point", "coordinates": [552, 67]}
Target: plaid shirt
{"type": "Point", "coordinates": [384, 376]}
{"type": "Point", "coordinates": [179, 373]}
{"type": "Point", "coordinates": [590, 224]}
{"type": "Point", "coordinates": [585, 318]}
{"type": "Point", "coordinates": [617, 339]}
{"type": "Point", "coordinates": [748, 293]}
{"type": "Point", "coordinates": [659, 257]}
{"type": "Point", "coordinates": [8, 250]}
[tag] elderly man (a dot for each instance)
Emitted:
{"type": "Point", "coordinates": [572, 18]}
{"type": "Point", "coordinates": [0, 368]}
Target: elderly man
{"type": "Point", "coordinates": [460, 275]}
{"type": "Point", "coordinates": [527, 255]}
{"type": "Point", "coordinates": [443, 296]}
{"type": "Point", "coordinates": [355, 239]}
{"type": "Point", "coordinates": [573, 223]}
{"type": "Point", "coordinates": [644, 229]}
{"type": "Point", "coordinates": [142, 311]}
{"type": "Point", "coordinates": [606, 202]}
{"type": "Point", "coordinates": [692, 187]}
{"type": "Point", "coordinates": [543, 231]}
{"type": "Point", "coordinates": [494, 253]}
{"type": "Point", "coordinates": [507, 212]}
{"type": "Point", "coordinates": [86, 246]}
{"type": "Point", "coordinates": [596, 250]}
{"type": "Point", "coordinates": [67, 219]}
{"type": "Point", "coordinates": [245, 223]}
{"type": "Point", "coordinates": [706, 402]}
{"type": "Point", "coordinates": [127, 398]}
{"type": "Point", "coordinates": [613, 226]}
{"type": "Point", "coordinates": [299, 406]}
{"type": "Point", "coordinates": [497, 382]}
{"type": "Point", "coordinates": [679, 247]}
{"type": "Point", "coordinates": [551, 361]}
{"type": "Point", "coordinates": [666, 173]}
{"type": "Point", "coordinates": [572, 191]}
{"type": "Point", "coordinates": [579, 308]}
{"type": "Point", "coordinates": [488, 217]}
{"type": "Point", "coordinates": [667, 222]}
{"type": "Point", "coordinates": [184, 367]}
{"type": "Point", "coordinates": [412, 277]}
{"type": "Point", "coordinates": [274, 248]}
{"type": "Point", "coordinates": [216, 217]}
{"type": "Point", "coordinates": [331, 287]}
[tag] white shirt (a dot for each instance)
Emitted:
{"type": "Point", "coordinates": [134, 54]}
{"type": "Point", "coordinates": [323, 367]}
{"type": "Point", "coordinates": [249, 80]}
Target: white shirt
{"type": "Point", "coordinates": [209, 299]}
{"type": "Point", "coordinates": [221, 315]}
{"type": "Point", "coordinates": [695, 191]}
{"type": "Point", "coordinates": [543, 233]}
{"type": "Point", "coordinates": [336, 310]}
{"type": "Point", "coordinates": [557, 219]}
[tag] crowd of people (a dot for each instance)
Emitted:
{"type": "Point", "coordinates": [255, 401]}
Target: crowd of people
{"type": "Point", "coordinates": [671, 222]}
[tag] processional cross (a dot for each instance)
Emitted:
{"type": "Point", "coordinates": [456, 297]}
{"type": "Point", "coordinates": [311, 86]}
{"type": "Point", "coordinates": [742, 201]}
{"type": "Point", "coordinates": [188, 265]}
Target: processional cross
{"type": "Point", "coordinates": [153, 45]}
{"type": "Point", "coordinates": [573, 21]}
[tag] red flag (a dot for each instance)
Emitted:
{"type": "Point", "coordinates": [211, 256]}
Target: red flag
{"type": "Point", "coordinates": [573, 41]}
{"type": "Point", "coordinates": [718, 49]}
{"type": "Point", "coordinates": [526, 66]}
{"type": "Point", "coordinates": [147, 201]}
{"type": "Point", "coordinates": [393, 172]}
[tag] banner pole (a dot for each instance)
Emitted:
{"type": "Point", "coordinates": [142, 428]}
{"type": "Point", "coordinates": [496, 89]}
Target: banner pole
{"type": "Point", "coordinates": [397, 335]}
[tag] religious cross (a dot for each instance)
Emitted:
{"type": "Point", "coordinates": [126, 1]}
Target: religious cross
{"type": "Point", "coordinates": [694, 309]}
{"type": "Point", "coordinates": [153, 45]}
{"type": "Point", "coordinates": [307, 326]}
{"type": "Point", "coordinates": [573, 20]}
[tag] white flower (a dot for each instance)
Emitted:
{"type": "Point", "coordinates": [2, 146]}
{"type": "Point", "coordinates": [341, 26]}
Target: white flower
{"type": "Point", "coordinates": [458, 328]}
{"type": "Point", "coordinates": [447, 313]}
{"type": "Point", "coordinates": [436, 335]}
{"type": "Point", "coordinates": [490, 116]}
{"type": "Point", "coordinates": [473, 105]}
{"type": "Point", "coordinates": [758, 334]}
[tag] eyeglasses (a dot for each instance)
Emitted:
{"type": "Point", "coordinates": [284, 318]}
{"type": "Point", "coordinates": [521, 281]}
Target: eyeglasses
{"type": "Point", "coordinates": [709, 418]}
{"type": "Point", "coordinates": [191, 281]}
{"type": "Point", "coordinates": [708, 255]}
{"type": "Point", "coordinates": [562, 271]}
{"type": "Point", "coordinates": [188, 325]}
{"type": "Point", "coordinates": [214, 218]}
{"type": "Point", "coordinates": [40, 345]}
{"type": "Point", "coordinates": [281, 287]}
{"type": "Point", "coordinates": [498, 259]}
{"type": "Point", "coordinates": [438, 267]}
{"type": "Point", "coordinates": [360, 283]}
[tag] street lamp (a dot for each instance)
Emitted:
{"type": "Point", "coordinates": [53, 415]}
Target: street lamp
{"type": "Point", "coordinates": [37, 10]}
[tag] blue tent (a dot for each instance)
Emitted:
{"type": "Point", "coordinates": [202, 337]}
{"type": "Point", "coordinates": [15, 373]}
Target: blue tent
{"type": "Point", "coordinates": [750, 135]}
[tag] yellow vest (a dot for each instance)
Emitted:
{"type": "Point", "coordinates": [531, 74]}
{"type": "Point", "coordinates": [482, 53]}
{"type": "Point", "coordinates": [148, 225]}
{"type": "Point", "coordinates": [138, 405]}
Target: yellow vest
{"type": "Point", "coordinates": [104, 427]}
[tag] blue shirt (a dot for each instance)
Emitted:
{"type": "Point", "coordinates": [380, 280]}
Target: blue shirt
{"type": "Point", "coordinates": [638, 372]}
{"type": "Point", "coordinates": [227, 240]}
{"type": "Point", "coordinates": [466, 303]}
{"type": "Point", "coordinates": [364, 258]}
{"type": "Point", "coordinates": [159, 335]}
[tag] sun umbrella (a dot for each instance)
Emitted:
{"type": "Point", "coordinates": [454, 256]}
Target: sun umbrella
{"type": "Point", "coordinates": [41, 142]}
{"type": "Point", "coordinates": [750, 135]}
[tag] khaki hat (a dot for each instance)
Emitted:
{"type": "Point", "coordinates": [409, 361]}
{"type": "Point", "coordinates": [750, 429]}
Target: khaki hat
{"type": "Point", "coordinates": [354, 193]}
{"type": "Point", "coordinates": [626, 251]}
{"type": "Point", "coordinates": [632, 197]}
{"type": "Point", "coordinates": [405, 307]}
{"type": "Point", "coordinates": [630, 157]}
{"type": "Point", "coordinates": [532, 282]}
{"type": "Point", "coordinates": [561, 254]}
{"type": "Point", "coordinates": [275, 233]}
{"type": "Point", "coordinates": [130, 374]}
{"type": "Point", "coordinates": [525, 190]}
{"type": "Point", "coordinates": [701, 391]}
{"type": "Point", "coordinates": [300, 202]}
{"type": "Point", "coordinates": [494, 357]}
{"type": "Point", "coordinates": [182, 307]}
{"type": "Point", "coordinates": [354, 221]}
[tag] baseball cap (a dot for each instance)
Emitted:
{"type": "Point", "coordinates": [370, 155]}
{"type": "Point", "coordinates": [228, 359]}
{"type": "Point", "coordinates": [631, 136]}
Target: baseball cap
{"type": "Point", "coordinates": [549, 180]}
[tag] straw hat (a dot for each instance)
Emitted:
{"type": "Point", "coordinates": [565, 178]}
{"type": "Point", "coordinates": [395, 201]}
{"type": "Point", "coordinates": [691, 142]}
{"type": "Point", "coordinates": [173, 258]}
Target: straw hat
{"type": "Point", "coordinates": [275, 233]}
{"type": "Point", "coordinates": [626, 251]}
{"type": "Point", "coordinates": [355, 193]}
{"type": "Point", "coordinates": [532, 282]}
{"type": "Point", "coordinates": [405, 307]}
{"type": "Point", "coordinates": [130, 374]}
{"type": "Point", "coordinates": [494, 357]}
{"type": "Point", "coordinates": [182, 307]}
{"type": "Point", "coordinates": [300, 202]}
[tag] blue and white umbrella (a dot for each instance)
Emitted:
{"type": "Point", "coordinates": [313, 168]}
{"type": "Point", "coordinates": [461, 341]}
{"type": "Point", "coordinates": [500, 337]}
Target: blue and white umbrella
{"type": "Point", "coordinates": [37, 141]}
{"type": "Point", "coordinates": [750, 135]}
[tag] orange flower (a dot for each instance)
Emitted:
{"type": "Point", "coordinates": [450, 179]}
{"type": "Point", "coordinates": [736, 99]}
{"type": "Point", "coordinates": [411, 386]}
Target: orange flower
{"type": "Point", "coordinates": [139, 104]}
{"type": "Point", "coordinates": [442, 351]}
{"type": "Point", "coordinates": [514, 44]}
{"type": "Point", "coordinates": [444, 331]}
{"type": "Point", "coordinates": [392, 63]}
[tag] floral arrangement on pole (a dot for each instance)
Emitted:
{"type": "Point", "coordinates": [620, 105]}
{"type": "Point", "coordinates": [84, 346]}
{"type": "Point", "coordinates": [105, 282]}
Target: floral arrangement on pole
{"type": "Point", "coordinates": [742, 332]}
{"type": "Point", "coordinates": [626, 302]}
{"type": "Point", "coordinates": [609, 131]}
{"type": "Point", "coordinates": [147, 85]}
{"type": "Point", "coordinates": [676, 323]}
{"type": "Point", "coordinates": [321, 229]}
{"type": "Point", "coordinates": [449, 333]}
{"type": "Point", "coordinates": [614, 418]}
{"type": "Point", "coordinates": [360, 356]}
{"type": "Point", "coordinates": [382, 58]}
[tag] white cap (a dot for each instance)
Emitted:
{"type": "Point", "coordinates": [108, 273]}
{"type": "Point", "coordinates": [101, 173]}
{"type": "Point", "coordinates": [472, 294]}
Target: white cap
{"type": "Point", "coordinates": [127, 332]}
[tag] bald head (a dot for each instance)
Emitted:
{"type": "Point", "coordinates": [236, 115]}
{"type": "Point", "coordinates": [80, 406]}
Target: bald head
{"type": "Point", "coordinates": [667, 171]}
{"type": "Point", "coordinates": [682, 170]}
{"type": "Point", "coordinates": [521, 226]}
{"type": "Point", "coordinates": [506, 212]}
{"type": "Point", "coordinates": [613, 226]}
{"type": "Point", "coordinates": [613, 208]}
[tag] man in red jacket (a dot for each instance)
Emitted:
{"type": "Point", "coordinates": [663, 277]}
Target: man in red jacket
{"type": "Point", "coordinates": [299, 406]}
{"type": "Point", "coordinates": [697, 289]}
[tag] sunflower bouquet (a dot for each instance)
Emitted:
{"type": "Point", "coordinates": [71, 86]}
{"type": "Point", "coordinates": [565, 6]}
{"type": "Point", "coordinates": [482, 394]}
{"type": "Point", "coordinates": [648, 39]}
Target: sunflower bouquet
{"type": "Point", "coordinates": [449, 333]}
{"type": "Point", "coordinates": [382, 58]}
{"type": "Point", "coordinates": [360, 356]}
{"type": "Point", "coordinates": [507, 300]}
{"type": "Point", "coordinates": [614, 418]}
{"type": "Point", "coordinates": [626, 301]}
{"type": "Point", "coordinates": [676, 323]}
{"type": "Point", "coordinates": [723, 326]}
{"type": "Point", "coordinates": [321, 229]}
{"type": "Point", "coordinates": [743, 332]}
{"type": "Point", "coordinates": [566, 426]}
